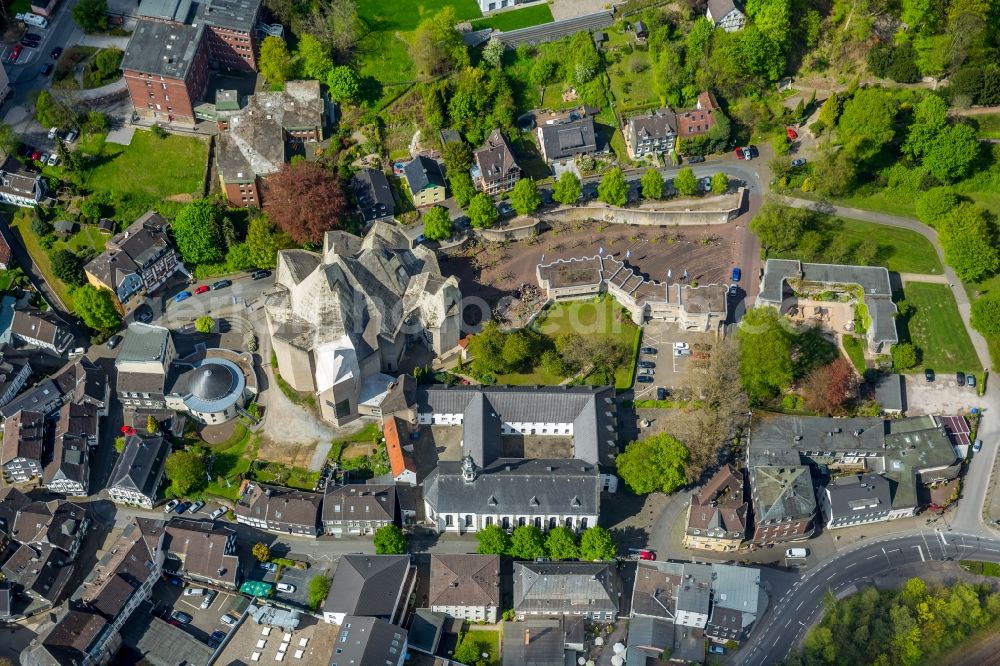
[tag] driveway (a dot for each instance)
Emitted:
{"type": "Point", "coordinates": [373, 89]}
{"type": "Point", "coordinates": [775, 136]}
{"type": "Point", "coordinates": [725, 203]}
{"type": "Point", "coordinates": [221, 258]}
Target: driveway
{"type": "Point", "coordinates": [942, 396]}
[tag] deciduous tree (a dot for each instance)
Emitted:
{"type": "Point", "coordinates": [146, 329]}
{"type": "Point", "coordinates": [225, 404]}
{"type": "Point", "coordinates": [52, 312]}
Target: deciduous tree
{"type": "Point", "coordinates": [827, 387]}
{"type": "Point", "coordinates": [567, 189]}
{"type": "Point", "coordinates": [492, 541]}
{"type": "Point", "coordinates": [462, 188]}
{"type": "Point", "coordinates": [197, 232]}
{"type": "Point", "coordinates": [560, 544]}
{"type": "Point", "coordinates": [986, 314]}
{"type": "Point", "coordinates": [904, 356]}
{"type": "Point", "coordinates": [315, 60]}
{"type": "Point", "coordinates": [344, 84]}
{"type": "Point", "coordinates": [766, 360]}
{"type": "Point", "coordinates": [969, 243]}
{"type": "Point", "coordinates": [50, 112]}
{"type": "Point", "coordinates": [613, 190]}
{"type": "Point", "coordinates": [91, 15]}
{"type": "Point", "coordinates": [868, 122]}
{"type": "Point", "coordinates": [389, 540]}
{"type": "Point", "coordinates": [275, 62]}
{"type": "Point", "coordinates": [186, 471]}
{"type": "Point", "coordinates": [263, 242]}
{"type": "Point", "coordinates": [304, 200]}
{"type": "Point", "coordinates": [261, 552]}
{"type": "Point", "coordinates": [596, 543]}
{"type": "Point", "coordinates": [685, 182]}
{"type": "Point", "coordinates": [779, 227]}
{"type": "Point", "coordinates": [204, 324]}
{"type": "Point", "coordinates": [526, 543]}
{"type": "Point", "coordinates": [720, 182]}
{"type": "Point", "coordinates": [96, 308]}
{"type": "Point", "coordinates": [152, 425]}
{"type": "Point", "coordinates": [652, 184]}
{"type": "Point", "coordinates": [67, 267]}
{"type": "Point", "coordinates": [935, 203]}
{"type": "Point", "coordinates": [653, 464]}
{"type": "Point", "coordinates": [436, 46]}
{"type": "Point", "coordinates": [482, 211]}
{"type": "Point", "coordinates": [437, 223]}
{"type": "Point", "coordinates": [525, 198]}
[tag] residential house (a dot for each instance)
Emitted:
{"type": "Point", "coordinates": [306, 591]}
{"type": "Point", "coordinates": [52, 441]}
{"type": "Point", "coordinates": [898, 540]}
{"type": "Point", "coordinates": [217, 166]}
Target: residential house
{"type": "Point", "coordinates": [12, 500]}
{"type": "Point", "coordinates": [465, 587]}
{"type": "Point", "coordinates": [784, 501]}
{"type": "Point", "coordinates": [376, 586]}
{"type": "Point", "coordinates": [340, 321]}
{"type": "Point", "coordinates": [425, 180]}
{"type": "Point", "coordinates": [401, 464]}
{"type": "Point", "coordinates": [777, 291]}
{"type": "Point", "coordinates": [543, 641]}
{"type": "Point", "coordinates": [136, 262]}
{"type": "Point", "coordinates": [588, 589]}
{"type": "Point", "coordinates": [278, 509]}
{"type": "Point", "coordinates": [14, 372]}
{"type": "Point", "coordinates": [566, 140]}
{"type": "Point", "coordinates": [176, 44]}
{"type": "Point", "coordinates": [726, 14]}
{"type": "Point", "coordinates": [75, 431]}
{"type": "Point", "coordinates": [55, 523]}
{"type": "Point", "coordinates": [20, 186]}
{"type": "Point", "coordinates": [260, 136]}
{"type": "Point", "coordinates": [23, 446]}
{"type": "Point", "coordinates": [41, 329]}
{"type": "Point", "coordinates": [491, 5]}
{"type": "Point", "coordinates": [143, 364]}
{"type": "Point", "coordinates": [138, 472]}
{"type": "Point", "coordinates": [848, 501]}
{"type": "Point", "coordinates": [701, 119]}
{"type": "Point", "coordinates": [691, 308]}
{"type": "Point", "coordinates": [494, 169]}
{"type": "Point", "coordinates": [651, 133]}
{"type": "Point", "coordinates": [373, 194]}
{"type": "Point", "coordinates": [6, 257]}
{"type": "Point", "coordinates": [40, 574]}
{"type": "Point", "coordinates": [359, 508]}
{"type": "Point", "coordinates": [369, 640]}
{"type": "Point", "coordinates": [718, 515]}
{"type": "Point", "coordinates": [83, 382]}
{"type": "Point", "coordinates": [202, 551]}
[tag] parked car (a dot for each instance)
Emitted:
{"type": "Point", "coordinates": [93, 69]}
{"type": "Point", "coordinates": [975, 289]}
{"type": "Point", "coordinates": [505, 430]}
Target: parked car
{"type": "Point", "coordinates": [798, 162]}
{"type": "Point", "coordinates": [36, 155]}
{"type": "Point", "coordinates": [113, 341]}
{"type": "Point", "coordinates": [970, 381]}
{"type": "Point", "coordinates": [732, 290]}
{"type": "Point", "coordinates": [15, 52]}
{"type": "Point", "coordinates": [646, 364]}
{"type": "Point", "coordinates": [977, 445]}
{"type": "Point", "coordinates": [259, 274]}
{"type": "Point", "coordinates": [716, 649]}
{"type": "Point", "coordinates": [706, 183]}
{"type": "Point", "coordinates": [797, 553]}
{"type": "Point", "coordinates": [736, 274]}
{"type": "Point", "coordinates": [43, 158]}
{"type": "Point", "coordinates": [682, 352]}
{"type": "Point", "coordinates": [644, 379]}
{"type": "Point", "coordinates": [53, 159]}
{"type": "Point", "coordinates": [960, 378]}
{"type": "Point", "coordinates": [209, 598]}
{"type": "Point", "coordinates": [194, 591]}
{"type": "Point", "coordinates": [56, 52]}
{"type": "Point", "coordinates": [182, 296]}
{"type": "Point", "coordinates": [221, 284]}
{"type": "Point", "coordinates": [929, 375]}
{"type": "Point", "coordinates": [752, 152]}
{"type": "Point", "coordinates": [171, 505]}
{"type": "Point", "coordinates": [228, 620]}
{"type": "Point", "coordinates": [202, 288]}
{"type": "Point", "coordinates": [33, 36]}
{"type": "Point", "coordinates": [180, 616]}
{"type": "Point", "coordinates": [218, 513]}
{"type": "Point", "coordinates": [215, 640]}
{"type": "Point", "coordinates": [695, 159]}
{"type": "Point", "coordinates": [792, 134]}
{"type": "Point", "coordinates": [646, 371]}
{"type": "Point", "coordinates": [661, 393]}
{"type": "Point", "coordinates": [647, 350]}
{"type": "Point", "coordinates": [285, 587]}
{"type": "Point", "coordinates": [71, 136]}
{"type": "Point", "coordinates": [680, 345]}
{"type": "Point", "coordinates": [269, 566]}
{"type": "Point", "coordinates": [29, 43]}
{"type": "Point", "coordinates": [173, 580]}
{"type": "Point", "coordinates": [641, 554]}
{"type": "Point", "coordinates": [740, 155]}
{"type": "Point", "coordinates": [53, 132]}
{"type": "Point", "coordinates": [182, 507]}
{"type": "Point", "coordinates": [197, 506]}
{"type": "Point", "coordinates": [505, 209]}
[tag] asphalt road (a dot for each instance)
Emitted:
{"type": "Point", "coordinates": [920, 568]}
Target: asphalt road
{"type": "Point", "coordinates": [792, 610]}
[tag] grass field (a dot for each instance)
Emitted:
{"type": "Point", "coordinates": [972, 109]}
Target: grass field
{"type": "Point", "coordinates": [490, 641]}
{"type": "Point", "coordinates": [989, 125]}
{"type": "Point", "coordinates": [158, 168]}
{"type": "Point", "coordinates": [900, 250]}
{"type": "Point", "coordinates": [21, 225]}
{"type": "Point", "coordinates": [936, 328]}
{"type": "Point", "coordinates": [517, 18]}
{"type": "Point", "coordinates": [232, 461]}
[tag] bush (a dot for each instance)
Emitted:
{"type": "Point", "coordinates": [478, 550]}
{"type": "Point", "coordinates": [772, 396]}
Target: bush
{"type": "Point", "coordinates": [904, 356]}
{"type": "Point", "coordinates": [319, 587]}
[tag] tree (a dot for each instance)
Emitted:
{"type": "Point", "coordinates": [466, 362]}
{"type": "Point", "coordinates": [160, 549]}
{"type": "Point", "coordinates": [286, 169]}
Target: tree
{"type": "Point", "coordinates": [315, 61]}
{"type": "Point", "coordinates": [867, 122]}
{"type": "Point", "coordinates": [471, 650]}
{"type": "Point", "coordinates": [197, 232]}
{"type": "Point", "coordinates": [186, 471]}
{"type": "Point", "coordinates": [766, 358]}
{"type": "Point", "coordinates": [50, 112]}
{"type": "Point", "coordinates": [525, 198]}
{"type": "Point", "coordinates": [457, 157]}
{"type": "Point", "coordinates": [969, 242]}
{"type": "Point", "coordinates": [436, 46]}
{"type": "Point", "coordinates": [8, 139]}
{"type": "Point", "coordinates": [96, 308]}
{"type": "Point", "coordinates": [596, 544]}
{"type": "Point", "coordinates": [482, 211]}
{"type": "Point", "coordinates": [904, 356]}
{"type": "Point", "coordinates": [91, 209]}
{"type": "Point", "coordinates": [319, 587]}
{"type": "Point", "coordinates": [652, 184]}
{"type": "Point", "coordinates": [334, 23]}
{"type": "Point", "coordinates": [526, 543]}
{"type": "Point", "coordinates": [953, 153]}
{"type": "Point", "coordinates": [437, 223]}
{"type": "Point", "coordinates": [40, 227]}
{"type": "Point", "coordinates": [344, 84]}
{"type": "Point", "coordinates": [96, 122]}
{"type": "Point", "coordinates": [389, 540]}
{"type": "Point", "coordinates": [986, 314]}
{"type": "Point", "coordinates": [930, 117]}
{"type": "Point", "coordinates": [492, 541]}
{"type": "Point", "coordinates": [652, 464]}
{"type": "Point", "coordinates": [119, 444]}
{"type": "Point", "coordinates": [263, 242]}
{"type": "Point", "coordinates": [780, 227]}
{"type": "Point", "coordinates": [107, 61]}
{"type": "Point", "coordinates": [152, 425]}
{"type": "Point", "coordinates": [435, 107]}
{"type": "Point", "coordinates": [204, 324]}
{"type": "Point", "coordinates": [275, 62]}
{"type": "Point", "coordinates": [543, 71]}
{"type": "Point", "coordinates": [261, 552]}
{"type": "Point", "coordinates": [304, 200]}
{"type": "Point", "coordinates": [935, 203]}
{"type": "Point", "coordinates": [567, 189]}
{"type": "Point", "coordinates": [91, 15]}
{"type": "Point", "coordinates": [720, 182]}
{"type": "Point", "coordinates": [782, 144]}
{"type": "Point", "coordinates": [613, 190]}
{"type": "Point", "coordinates": [67, 267]}
{"type": "Point", "coordinates": [827, 387]}
{"type": "Point", "coordinates": [560, 544]}
{"type": "Point", "coordinates": [493, 52]}
{"type": "Point", "coordinates": [685, 182]}
{"type": "Point", "coordinates": [462, 188]}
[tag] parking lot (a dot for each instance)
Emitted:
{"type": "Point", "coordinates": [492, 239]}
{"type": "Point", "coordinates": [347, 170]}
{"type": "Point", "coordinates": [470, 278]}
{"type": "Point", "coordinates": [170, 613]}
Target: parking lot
{"type": "Point", "coordinates": [168, 597]}
{"type": "Point", "coordinates": [297, 578]}
{"type": "Point", "coordinates": [670, 369]}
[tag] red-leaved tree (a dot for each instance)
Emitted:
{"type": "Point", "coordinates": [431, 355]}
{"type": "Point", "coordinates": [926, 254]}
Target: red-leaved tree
{"type": "Point", "coordinates": [828, 387]}
{"type": "Point", "coordinates": [304, 200]}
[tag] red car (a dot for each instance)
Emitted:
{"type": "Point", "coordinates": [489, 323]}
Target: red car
{"type": "Point", "coordinates": [739, 152]}
{"type": "Point", "coordinates": [15, 52]}
{"type": "Point", "coordinates": [202, 289]}
{"type": "Point", "coordinates": [647, 555]}
{"type": "Point", "coordinates": [792, 134]}
{"type": "Point", "coordinates": [36, 155]}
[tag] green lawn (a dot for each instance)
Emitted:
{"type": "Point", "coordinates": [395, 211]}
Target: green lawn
{"type": "Point", "coordinates": [489, 639]}
{"type": "Point", "coordinates": [900, 250]}
{"type": "Point", "coordinates": [232, 461]}
{"type": "Point", "coordinates": [989, 125]}
{"type": "Point", "coordinates": [389, 15]}
{"type": "Point", "coordinates": [631, 77]}
{"type": "Point", "coordinates": [21, 226]}
{"type": "Point", "coordinates": [282, 475]}
{"type": "Point", "coordinates": [151, 166]}
{"type": "Point", "coordinates": [936, 328]}
{"type": "Point", "coordinates": [517, 18]}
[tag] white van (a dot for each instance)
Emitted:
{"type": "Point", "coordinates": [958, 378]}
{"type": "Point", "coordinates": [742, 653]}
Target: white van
{"type": "Point", "coordinates": [797, 553]}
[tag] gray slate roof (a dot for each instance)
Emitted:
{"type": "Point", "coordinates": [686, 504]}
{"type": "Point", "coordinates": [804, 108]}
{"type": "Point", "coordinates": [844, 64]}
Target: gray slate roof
{"type": "Point", "coordinates": [720, 8]}
{"type": "Point", "coordinates": [371, 189]}
{"type": "Point", "coordinates": [367, 641]}
{"type": "Point", "coordinates": [646, 631]}
{"type": "Point", "coordinates": [143, 343]}
{"type": "Point", "coordinates": [566, 587]}
{"type": "Point", "coordinates": [495, 159]}
{"type": "Point", "coordinates": [591, 410]}
{"type": "Point", "coordinates": [890, 393]}
{"type": "Point", "coordinates": [534, 642]}
{"type": "Point", "coordinates": [139, 466]}
{"type": "Point", "coordinates": [367, 585]}
{"type": "Point", "coordinates": [517, 487]}
{"type": "Point", "coordinates": [39, 397]}
{"type": "Point", "coordinates": [359, 501]}
{"type": "Point", "coordinates": [568, 139]}
{"type": "Point", "coordinates": [423, 172]}
{"type": "Point", "coordinates": [852, 493]}
{"type": "Point", "coordinates": [35, 325]}
{"type": "Point", "coordinates": [654, 125]}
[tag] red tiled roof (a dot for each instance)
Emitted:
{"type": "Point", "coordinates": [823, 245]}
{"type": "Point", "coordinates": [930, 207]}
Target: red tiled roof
{"type": "Point", "coordinates": [398, 459]}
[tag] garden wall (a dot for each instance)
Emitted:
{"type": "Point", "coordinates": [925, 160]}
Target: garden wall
{"type": "Point", "coordinates": [730, 210]}
{"type": "Point", "coordinates": [530, 227]}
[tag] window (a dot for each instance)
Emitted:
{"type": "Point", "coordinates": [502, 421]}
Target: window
{"type": "Point", "coordinates": [449, 520]}
{"type": "Point", "coordinates": [468, 520]}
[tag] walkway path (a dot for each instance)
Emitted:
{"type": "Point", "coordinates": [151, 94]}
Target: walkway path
{"type": "Point", "coordinates": [923, 277]}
